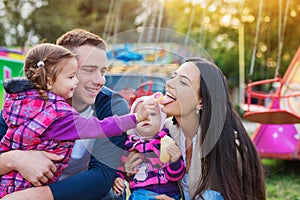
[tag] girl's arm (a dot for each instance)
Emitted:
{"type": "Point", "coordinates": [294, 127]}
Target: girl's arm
{"type": "Point", "coordinates": [72, 126]}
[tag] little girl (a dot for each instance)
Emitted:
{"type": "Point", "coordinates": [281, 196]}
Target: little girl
{"type": "Point", "coordinates": [35, 105]}
{"type": "Point", "coordinates": [153, 177]}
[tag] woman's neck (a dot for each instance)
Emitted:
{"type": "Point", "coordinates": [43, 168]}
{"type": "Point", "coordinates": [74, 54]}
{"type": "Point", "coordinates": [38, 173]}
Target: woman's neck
{"type": "Point", "coordinates": [189, 125]}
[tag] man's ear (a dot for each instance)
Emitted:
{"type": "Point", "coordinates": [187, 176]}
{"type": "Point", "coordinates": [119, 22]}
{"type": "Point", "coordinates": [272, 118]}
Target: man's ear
{"type": "Point", "coordinates": [49, 83]}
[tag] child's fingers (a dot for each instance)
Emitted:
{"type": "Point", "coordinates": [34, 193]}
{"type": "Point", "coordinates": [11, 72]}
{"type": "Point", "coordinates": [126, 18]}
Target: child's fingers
{"type": "Point", "coordinates": [117, 190]}
{"type": "Point", "coordinates": [118, 187]}
{"type": "Point", "coordinates": [174, 152]}
{"type": "Point", "coordinates": [120, 184]}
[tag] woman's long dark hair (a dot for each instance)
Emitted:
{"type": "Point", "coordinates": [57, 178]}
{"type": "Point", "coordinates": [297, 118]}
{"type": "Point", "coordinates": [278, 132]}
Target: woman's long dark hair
{"type": "Point", "coordinates": [229, 162]}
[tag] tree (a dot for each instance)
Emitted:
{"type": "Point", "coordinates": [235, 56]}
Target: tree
{"type": "Point", "coordinates": [30, 21]}
{"type": "Point", "coordinates": [54, 18]}
{"type": "Point", "coordinates": [15, 21]}
{"type": "Point", "coordinates": [218, 21]}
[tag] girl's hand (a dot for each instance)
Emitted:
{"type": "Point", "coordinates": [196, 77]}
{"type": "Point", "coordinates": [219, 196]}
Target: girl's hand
{"type": "Point", "coordinates": [118, 186]}
{"type": "Point", "coordinates": [174, 152]}
{"type": "Point", "coordinates": [145, 108]}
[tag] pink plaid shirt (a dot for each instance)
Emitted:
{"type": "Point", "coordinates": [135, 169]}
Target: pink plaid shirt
{"type": "Point", "coordinates": [27, 117]}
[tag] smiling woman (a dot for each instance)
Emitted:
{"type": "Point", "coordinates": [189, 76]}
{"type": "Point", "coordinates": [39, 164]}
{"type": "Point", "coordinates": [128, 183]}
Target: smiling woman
{"type": "Point", "coordinates": [211, 136]}
{"type": "Point", "coordinates": [221, 160]}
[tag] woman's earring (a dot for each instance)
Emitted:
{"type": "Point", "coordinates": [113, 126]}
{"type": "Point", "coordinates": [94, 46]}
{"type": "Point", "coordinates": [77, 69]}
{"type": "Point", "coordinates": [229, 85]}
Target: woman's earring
{"type": "Point", "coordinates": [198, 108]}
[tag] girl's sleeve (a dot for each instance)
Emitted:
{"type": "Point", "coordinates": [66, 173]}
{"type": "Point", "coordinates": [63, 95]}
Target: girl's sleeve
{"type": "Point", "coordinates": [72, 126]}
{"type": "Point", "coordinates": [175, 171]}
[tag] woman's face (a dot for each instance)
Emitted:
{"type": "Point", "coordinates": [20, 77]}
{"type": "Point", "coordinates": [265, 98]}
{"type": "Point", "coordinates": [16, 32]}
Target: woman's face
{"type": "Point", "coordinates": [182, 91]}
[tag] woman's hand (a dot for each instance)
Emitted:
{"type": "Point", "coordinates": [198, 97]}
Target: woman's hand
{"type": "Point", "coordinates": [174, 152]}
{"type": "Point", "coordinates": [132, 161]}
{"type": "Point", "coordinates": [118, 186]}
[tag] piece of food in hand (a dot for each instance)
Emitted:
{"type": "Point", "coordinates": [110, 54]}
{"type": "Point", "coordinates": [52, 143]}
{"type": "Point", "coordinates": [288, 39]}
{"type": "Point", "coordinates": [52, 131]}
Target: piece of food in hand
{"type": "Point", "coordinates": [158, 96]}
{"type": "Point", "coordinates": [164, 143]}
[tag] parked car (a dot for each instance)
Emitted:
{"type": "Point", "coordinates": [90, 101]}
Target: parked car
{"type": "Point", "coordinates": [132, 86]}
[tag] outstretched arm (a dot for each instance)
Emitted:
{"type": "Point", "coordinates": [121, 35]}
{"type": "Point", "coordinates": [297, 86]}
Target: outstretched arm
{"type": "Point", "coordinates": [97, 181]}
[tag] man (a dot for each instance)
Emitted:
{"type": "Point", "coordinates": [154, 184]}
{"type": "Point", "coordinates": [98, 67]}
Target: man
{"type": "Point", "coordinates": [91, 170]}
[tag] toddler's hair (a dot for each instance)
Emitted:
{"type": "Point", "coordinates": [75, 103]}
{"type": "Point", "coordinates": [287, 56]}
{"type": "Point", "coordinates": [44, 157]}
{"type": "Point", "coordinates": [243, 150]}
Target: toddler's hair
{"type": "Point", "coordinates": [45, 61]}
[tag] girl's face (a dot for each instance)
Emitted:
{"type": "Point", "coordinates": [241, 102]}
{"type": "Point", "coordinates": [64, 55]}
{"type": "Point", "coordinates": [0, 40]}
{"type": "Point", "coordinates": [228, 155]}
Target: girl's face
{"type": "Point", "coordinates": [66, 81]}
{"type": "Point", "coordinates": [150, 128]}
{"type": "Point", "coordinates": [182, 91]}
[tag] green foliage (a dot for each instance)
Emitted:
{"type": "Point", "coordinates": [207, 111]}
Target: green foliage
{"type": "Point", "coordinates": [221, 36]}
{"type": "Point", "coordinates": [54, 18]}
{"type": "Point", "coordinates": [15, 20]}
{"type": "Point", "coordinates": [48, 19]}
{"type": "Point", "coordinates": [214, 25]}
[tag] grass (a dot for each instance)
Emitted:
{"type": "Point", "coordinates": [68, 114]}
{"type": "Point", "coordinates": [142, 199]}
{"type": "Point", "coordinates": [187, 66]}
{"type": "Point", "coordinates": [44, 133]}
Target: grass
{"type": "Point", "coordinates": [282, 179]}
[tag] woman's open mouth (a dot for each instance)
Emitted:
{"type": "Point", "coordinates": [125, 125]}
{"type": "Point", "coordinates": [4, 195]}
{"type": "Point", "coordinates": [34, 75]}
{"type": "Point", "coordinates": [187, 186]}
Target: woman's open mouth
{"type": "Point", "coordinates": [168, 98]}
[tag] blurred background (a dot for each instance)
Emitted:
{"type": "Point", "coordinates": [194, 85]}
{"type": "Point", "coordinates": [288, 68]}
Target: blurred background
{"type": "Point", "coordinates": [214, 24]}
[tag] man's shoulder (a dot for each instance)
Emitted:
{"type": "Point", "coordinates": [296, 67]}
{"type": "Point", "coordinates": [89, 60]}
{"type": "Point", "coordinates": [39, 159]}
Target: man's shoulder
{"type": "Point", "coordinates": [109, 102]}
{"type": "Point", "coordinates": [107, 94]}
{"type": "Point", "coordinates": [106, 91]}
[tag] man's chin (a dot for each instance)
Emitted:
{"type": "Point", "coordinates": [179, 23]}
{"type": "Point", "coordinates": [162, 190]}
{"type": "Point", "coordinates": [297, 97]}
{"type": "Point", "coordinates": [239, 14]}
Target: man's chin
{"type": "Point", "coordinates": [91, 101]}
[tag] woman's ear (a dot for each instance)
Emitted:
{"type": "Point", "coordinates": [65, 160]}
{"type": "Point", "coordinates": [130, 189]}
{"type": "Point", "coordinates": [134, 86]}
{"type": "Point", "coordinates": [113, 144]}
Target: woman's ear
{"type": "Point", "coordinates": [199, 106]}
{"type": "Point", "coordinates": [49, 83]}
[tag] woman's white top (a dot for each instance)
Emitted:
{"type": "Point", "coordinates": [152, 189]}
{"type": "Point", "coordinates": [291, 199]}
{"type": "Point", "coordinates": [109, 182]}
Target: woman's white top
{"type": "Point", "coordinates": [185, 179]}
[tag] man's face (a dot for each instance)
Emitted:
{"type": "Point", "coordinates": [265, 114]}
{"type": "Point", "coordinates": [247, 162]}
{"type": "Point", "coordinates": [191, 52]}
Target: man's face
{"type": "Point", "coordinates": [91, 70]}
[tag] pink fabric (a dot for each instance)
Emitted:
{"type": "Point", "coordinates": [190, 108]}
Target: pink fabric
{"type": "Point", "coordinates": [152, 171]}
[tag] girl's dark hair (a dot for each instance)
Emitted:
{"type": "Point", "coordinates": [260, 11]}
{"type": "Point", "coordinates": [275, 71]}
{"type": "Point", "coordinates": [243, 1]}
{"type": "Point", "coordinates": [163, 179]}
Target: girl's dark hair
{"type": "Point", "coordinates": [43, 61]}
{"type": "Point", "coordinates": [229, 163]}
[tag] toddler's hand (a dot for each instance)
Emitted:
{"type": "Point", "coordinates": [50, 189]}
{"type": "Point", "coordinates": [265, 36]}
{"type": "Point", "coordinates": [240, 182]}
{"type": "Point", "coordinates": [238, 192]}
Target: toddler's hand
{"type": "Point", "coordinates": [174, 152]}
{"type": "Point", "coordinates": [118, 186]}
